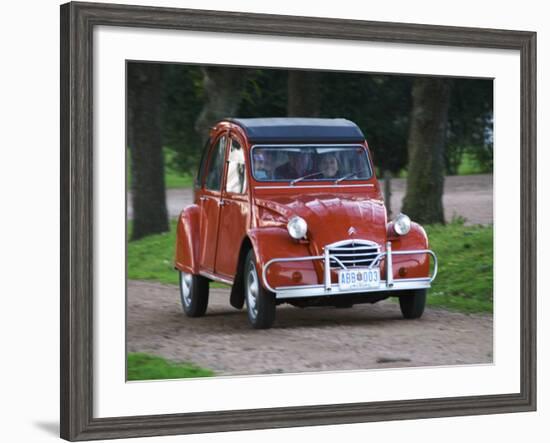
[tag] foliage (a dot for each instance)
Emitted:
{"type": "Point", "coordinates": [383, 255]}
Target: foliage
{"type": "Point", "coordinates": [149, 367]}
{"type": "Point", "coordinates": [182, 101]}
{"type": "Point", "coordinates": [465, 253]}
{"type": "Point", "coordinates": [470, 125]}
{"type": "Point", "coordinates": [174, 176]}
{"type": "Point", "coordinates": [264, 93]}
{"type": "Point", "coordinates": [379, 104]}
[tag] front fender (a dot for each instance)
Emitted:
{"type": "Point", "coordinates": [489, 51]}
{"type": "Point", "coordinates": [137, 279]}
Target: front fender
{"type": "Point", "coordinates": [275, 242]}
{"type": "Point", "coordinates": [187, 240]}
{"type": "Point", "coordinates": [410, 266]}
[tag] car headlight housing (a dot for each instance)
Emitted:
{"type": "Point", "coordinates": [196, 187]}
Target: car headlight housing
{"type": "Point", "coordinates": [402, 224]}
{"type": "Point", "coordinates": [297, 227]}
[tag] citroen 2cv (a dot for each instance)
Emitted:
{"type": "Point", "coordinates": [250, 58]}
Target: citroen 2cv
{"type": "Point", "coordinates": [289, 210]}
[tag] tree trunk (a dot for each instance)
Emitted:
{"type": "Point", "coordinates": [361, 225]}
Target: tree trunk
{"type": "Point", "coordinates": [423, 201]}
{"type": "Point", "coordinates": [303, 94]}
{"type": "Point", "coordinates": [223, 90]}
{"type": "Point", "coordinates": [144, 139]}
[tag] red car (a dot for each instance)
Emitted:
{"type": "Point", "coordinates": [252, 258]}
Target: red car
{"type": "Point", "coordinates": [288, 210]}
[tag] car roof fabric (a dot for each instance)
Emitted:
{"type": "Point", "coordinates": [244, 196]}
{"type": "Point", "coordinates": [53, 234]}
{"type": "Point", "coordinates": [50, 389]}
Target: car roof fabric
{"type": "Point", "coordinates": [299, 130]}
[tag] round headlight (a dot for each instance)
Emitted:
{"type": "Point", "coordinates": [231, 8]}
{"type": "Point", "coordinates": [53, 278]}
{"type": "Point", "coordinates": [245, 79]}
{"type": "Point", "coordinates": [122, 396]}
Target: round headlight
{"type": "Point", "coordinates": [402, 224]}
{"type": "Point", "coordinates": [297, 227]}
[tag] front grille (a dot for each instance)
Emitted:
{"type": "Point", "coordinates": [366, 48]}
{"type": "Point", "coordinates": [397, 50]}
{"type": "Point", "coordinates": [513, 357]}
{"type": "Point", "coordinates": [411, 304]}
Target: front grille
{"type": "Point", "coordinates": [354, 253]}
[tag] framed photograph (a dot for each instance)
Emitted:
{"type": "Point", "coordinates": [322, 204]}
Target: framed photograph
{"type": "Point", "coordinates": [272, 221]}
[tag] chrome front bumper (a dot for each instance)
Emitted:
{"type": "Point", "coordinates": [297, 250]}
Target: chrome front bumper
{"type": "Point", "coordinates": [330, 289]}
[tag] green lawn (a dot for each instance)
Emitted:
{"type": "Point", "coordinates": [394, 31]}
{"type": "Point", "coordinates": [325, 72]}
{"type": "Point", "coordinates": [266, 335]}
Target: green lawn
{"type": "Point", "coordinates": [464, 282]}
{"type": "Point", "coordinates": [465, 277]}
{"type": "Point", "coordinates": [152, 258]}
{"type": "Point", "coordinates": [470, 165]}
{"type": "Point", "coordinates": [175, 179]}
{"type": "Point", "coordinates": [148, 367]}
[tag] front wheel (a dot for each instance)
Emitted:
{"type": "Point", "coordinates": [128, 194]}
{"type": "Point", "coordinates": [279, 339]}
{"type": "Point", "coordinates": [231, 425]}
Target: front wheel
{"type": "Point", "coordinates": [260, 303]}
{"type": "Point", "coordinates": [194, 294]}
{"type": "Point", "coordinates": [412, 303]}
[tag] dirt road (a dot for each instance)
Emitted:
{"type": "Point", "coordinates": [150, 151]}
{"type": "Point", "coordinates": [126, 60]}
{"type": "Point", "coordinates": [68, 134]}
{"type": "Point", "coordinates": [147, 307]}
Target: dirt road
{"type": "Point", "coordinates": [469, 196]}
{"type": "Point", "coordinates": [302, 340]}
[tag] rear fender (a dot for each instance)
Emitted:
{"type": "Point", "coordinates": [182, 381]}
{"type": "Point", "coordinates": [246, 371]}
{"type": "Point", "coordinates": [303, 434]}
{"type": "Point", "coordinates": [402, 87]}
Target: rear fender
{"type": "Point", "coordinates": [187, 240]}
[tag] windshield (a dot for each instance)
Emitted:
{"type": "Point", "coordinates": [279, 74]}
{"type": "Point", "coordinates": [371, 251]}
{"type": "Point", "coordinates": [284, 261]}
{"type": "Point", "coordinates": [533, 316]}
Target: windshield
{"type": "Point", "coordinates": [297, 163]}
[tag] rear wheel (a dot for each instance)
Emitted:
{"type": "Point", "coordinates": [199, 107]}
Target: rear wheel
{"type": "Point", "coordinates": [194, 294]}
{"type": "Point", "coordinates": [412, 303]}
{"type": "Point", "coordinates": [260, 303]}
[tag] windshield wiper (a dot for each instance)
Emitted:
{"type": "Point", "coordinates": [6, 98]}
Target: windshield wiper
{"type": "Point", "coordinates": [349, 175]}
{"type": "Point", "coordinates": [299, 179]}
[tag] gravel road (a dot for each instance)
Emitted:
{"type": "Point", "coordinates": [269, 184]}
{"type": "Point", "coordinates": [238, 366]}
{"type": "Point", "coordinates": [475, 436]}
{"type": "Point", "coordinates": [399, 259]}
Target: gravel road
{"type": "Point", "coordinates": [469, 196]}
{"type": "Point", "coordinates": [302, 340]}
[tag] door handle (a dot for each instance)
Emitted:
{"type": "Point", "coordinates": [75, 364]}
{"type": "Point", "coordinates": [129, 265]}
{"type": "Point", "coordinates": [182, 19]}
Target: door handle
{"type": "Point", "coordinates": [202, 199]}
{"type": "Point", "coordinates": [223, 202]}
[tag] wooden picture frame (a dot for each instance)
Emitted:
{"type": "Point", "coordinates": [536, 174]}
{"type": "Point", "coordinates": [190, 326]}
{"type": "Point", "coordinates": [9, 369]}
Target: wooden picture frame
{"type": "Point", "coordinates": [77, 23]}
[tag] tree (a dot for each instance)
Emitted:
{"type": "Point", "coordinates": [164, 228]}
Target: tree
{"type": "Point", "coordinates": [303, 97]}
{"type": "Point", "coordinates": [380, 105]}
{"type": "Point", "coordinates": [182, 102]}
{"type": "Point", "coordinates": [223, 91]}
{"type": "Point", "coordinates": [470, 124]}
{"type": "Point", "coordinates": [430, 104]}
{"type": "Point", "coordinates": [145, 143]}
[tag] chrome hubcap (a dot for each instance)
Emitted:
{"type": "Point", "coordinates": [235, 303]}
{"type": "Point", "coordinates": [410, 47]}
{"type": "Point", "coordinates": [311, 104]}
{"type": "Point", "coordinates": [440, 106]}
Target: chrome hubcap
{"type": "Point", "coordinates": [252, 291]}
{"type": "Point", "coordinates": [185, 288]}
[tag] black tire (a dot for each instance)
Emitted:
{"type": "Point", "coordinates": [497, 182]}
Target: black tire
{"type": "Point", "coordinates": [260, 303]}
{"type": "Point", "coordinates": [412, 303]}
{"type": "Point", "coordinates": [194, 291]}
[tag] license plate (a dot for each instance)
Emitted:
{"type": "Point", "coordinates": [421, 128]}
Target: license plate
{"type": "Point", "coordinates": [359, 278]}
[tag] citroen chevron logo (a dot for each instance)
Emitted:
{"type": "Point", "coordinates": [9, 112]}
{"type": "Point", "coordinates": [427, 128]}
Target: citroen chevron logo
{"type": "Point", "coordinates": [352, 231]}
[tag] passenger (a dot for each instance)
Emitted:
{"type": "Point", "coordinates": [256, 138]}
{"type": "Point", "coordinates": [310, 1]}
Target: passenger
{"type": "Point", "coordinates": [329, 166]}
{"type": "Point", "coordinates": [263, 165]}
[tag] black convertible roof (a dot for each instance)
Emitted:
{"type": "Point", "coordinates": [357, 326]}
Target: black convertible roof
{"type": "Point", "coordinates": [302, 130]}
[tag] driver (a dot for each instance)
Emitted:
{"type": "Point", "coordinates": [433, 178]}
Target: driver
{"type": "Point", "coordinates": [298, 165]}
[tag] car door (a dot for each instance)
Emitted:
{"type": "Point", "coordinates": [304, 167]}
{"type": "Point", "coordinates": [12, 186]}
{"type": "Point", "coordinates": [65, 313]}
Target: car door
{"type": "Point", "coordinates": [235, 210]}
{"type": "Point", "coordinates": [209, 202]}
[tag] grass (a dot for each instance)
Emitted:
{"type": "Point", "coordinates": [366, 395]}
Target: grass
{"type": "Point", "coordinates": [175, 179]}
{"type": "Point", "coordinates": [152, 258]}
{"type": "Point", "coordinates": [469, 165]}
{"type": "Point", "coordinates": [465, 253]}
{"type": "Point", "coordinates": [465, 278]}
{"type": "Point", "coordinates": [172, 177]}
{"type": "Point", "coordinates": [149, 367]}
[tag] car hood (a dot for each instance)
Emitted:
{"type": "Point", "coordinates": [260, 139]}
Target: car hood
{"type": "Point", "coordinates": [330, 218]}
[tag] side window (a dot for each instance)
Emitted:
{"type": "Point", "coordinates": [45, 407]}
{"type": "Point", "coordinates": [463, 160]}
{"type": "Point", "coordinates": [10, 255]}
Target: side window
{"type": "Point", "coordinates": [215, 167]}
{"type": "Point", "coordinates": [236, 176]}
{"type": "Point", "coordinates": [199, 179]}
